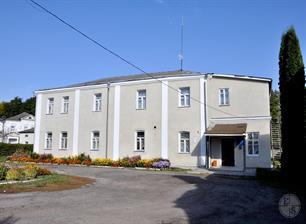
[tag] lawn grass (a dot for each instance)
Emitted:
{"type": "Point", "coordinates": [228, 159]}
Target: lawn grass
{"type": "Point", "coordinates": [52, 182]}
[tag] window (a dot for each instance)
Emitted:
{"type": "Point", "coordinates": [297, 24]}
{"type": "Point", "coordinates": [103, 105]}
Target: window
{"type": "Point", "coordinates": [224, 97]}
{"type": "Point", "coordinates": [65, 104]}
{"type": "Point", "coordinates": [12, 128]}
{"type": "Point", "coordinates": [50, 105]}
{"type": "Point", "coordinates": [141, 99]}
{"type": "Point", "coordinates": [26, 136]}
{"type": "Point", "coordinates": [26, 142]}
{"type": "Point", "coordinates": [64, 140]}
{"type": "Point", "coordinates": [95, 140]}
{"type": "Point", "coordinates": [184, 97]}
{"type": "Point", "coordinates": [253, 143]}
{"type": "Point", "coordinates": [184, 142]}
{"type": "Point", "coordinates": [140, 141]}
{"type": "Point", "coordinates": [97, 102]}
{"type": "Point", "coordinates": [48, 143]}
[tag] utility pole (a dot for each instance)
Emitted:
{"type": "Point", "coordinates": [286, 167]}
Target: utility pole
{"type": "Point", "coordinates": [181, 55]}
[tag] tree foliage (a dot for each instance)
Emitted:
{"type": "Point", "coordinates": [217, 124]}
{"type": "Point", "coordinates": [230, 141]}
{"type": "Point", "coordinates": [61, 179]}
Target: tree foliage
{"type": "Point", "coordinates": [275, 106]}
{"type": "Point", "coordinates": [17, 106]}
{"type": "Point", "coordinates": [291, 85]}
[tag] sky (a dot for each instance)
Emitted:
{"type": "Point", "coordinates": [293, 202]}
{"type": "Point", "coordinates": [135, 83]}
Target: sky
{"type": "Point", "coordinates": [220, 36]}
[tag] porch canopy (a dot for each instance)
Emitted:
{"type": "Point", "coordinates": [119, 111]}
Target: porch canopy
{"type": "Point", "coordinates": [227, 130]}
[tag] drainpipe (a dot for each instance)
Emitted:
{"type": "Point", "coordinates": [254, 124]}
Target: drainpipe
{"type": "Point", "coordinates": [107, 112]}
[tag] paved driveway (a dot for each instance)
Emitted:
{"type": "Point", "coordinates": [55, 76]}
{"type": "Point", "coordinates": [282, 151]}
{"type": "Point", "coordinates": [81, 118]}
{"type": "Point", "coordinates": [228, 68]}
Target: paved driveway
{"type": "Point", "coordinates": [131, 196]}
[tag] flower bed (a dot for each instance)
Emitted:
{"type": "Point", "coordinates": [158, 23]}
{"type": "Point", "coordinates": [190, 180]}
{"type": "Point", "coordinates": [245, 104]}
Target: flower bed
{"type": "Point", "coordinates": [134, 161]}
{"type": "Point", "coordinates": [27, 172]}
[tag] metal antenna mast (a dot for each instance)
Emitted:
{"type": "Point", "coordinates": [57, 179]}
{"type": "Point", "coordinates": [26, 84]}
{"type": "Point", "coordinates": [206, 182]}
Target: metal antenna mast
{"type": "Point", "coordinates": [181, 56]}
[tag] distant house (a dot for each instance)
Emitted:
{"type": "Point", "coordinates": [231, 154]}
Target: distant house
{"type": "Point", "coordinates": [18, 129]}
{"type": "Point", "coordinates": [211, 120]}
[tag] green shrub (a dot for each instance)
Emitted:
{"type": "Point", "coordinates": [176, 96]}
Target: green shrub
{"type": "Point", "coordinates": [102, 162]}
{"type": "Point", "coordinates": [30, 172]}
{"type": "Point", "coordinates": [14, 174]}
{"type": "Point", "coordinates": [82, 157]}
{"type": "Point", "coordinates": [10, 149]}
{"type": "Point", "coordinates": [3, 171]}
{"type": "Point", "coordinates": [276, 164]}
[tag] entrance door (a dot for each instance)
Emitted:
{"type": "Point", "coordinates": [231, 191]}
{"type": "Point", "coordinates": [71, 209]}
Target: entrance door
{"type": "Point", "coordinates": [228, 154]}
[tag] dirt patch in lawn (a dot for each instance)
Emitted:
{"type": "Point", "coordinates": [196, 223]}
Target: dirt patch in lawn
{"type": "Point", "coordinates": [54, 182]}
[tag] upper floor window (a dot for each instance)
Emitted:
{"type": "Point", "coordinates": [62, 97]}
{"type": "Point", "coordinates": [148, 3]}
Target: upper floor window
{"type": "Point", "coordinates": [253, 143]}
{"type": "Point", "coordinates": [184, 142]}
{"type": "Point", "coordinates": [65, 104]}
{"type": "Point", "coordinates": [13, 128]}
{"type": "Point", "coordinates": [50, 105]}
{"type": "Point", "coordinates": [141, 99]}
{"type": "Point", "coordinates": [97, 102]}
{"type": "Point", "coordinates": [64, 140]}
{"type": "Point", "coordinates": [184, 97]}
{"type": "Point", "coordinates": [95, 140]}
{"type": "Point", "coordinates": [140, 141]}
{"type": "Point", "coordinates": [48, 140]}
{"type": "Point", "coordinates": [224, 96]}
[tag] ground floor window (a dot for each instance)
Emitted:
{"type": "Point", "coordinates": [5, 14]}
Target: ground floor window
{"type": "Point", "coordinates": [253, 143]}
{"type": "Point", "coordinates": [140, 141]}
{"type": "Point", "coordinates": [64, 140]}
{"type": "Point", "coordinates": [48, 143]}
{"type": "Point", "coordinates": [95, 140]}
{"type": "Point", "coordinates": [184, 138]}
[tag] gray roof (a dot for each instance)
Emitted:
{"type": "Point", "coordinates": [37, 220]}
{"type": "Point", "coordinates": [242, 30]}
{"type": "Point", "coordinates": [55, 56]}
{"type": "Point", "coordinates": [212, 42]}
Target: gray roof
{"type": "Point", "coordinates": [19, 116]}
{"type": "Point", "coordinates": [146, 76]}
{"type": "Point", "coordinates": [134, 77]}
{"type": "Point", "coordinates": [31, 130]}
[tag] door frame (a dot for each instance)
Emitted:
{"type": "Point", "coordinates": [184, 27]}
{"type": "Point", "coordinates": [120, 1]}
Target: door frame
{"type": "Point", "coordinates": [234, 142]}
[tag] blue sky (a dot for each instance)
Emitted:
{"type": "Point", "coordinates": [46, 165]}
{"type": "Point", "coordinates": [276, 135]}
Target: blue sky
{"type": "Point", "coordinates": [221, 36]}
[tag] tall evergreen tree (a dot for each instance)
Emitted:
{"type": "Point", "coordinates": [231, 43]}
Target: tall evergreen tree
{"type": "Point", "coordinates": [29, 105]}
{"type": "Point", "coordinates": [291, 85]}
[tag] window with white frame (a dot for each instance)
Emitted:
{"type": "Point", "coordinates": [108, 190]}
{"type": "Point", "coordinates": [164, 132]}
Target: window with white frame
{"type": "Point", "coordinates": [65, 104]}
{"type": "Point", "coordinates": [140, 141]}
{"type": "Point", "coordinates": [12, 128]}
{"type": "Point", "coordinates": [253, 143]}
{"type": "Point", "coordinates": [50, 105]}
{"type": "Point", "coordinates": [48, 141]}
{"type": "Point", "coordinates": [95, 140]}
{"type": "Point", "coordinates": [184, 97]}
{"type": "Point", "coordinates": [224, 97]}
{"type": "Point", "coordinates": [97, 102]}
{"type": "Point", "coordinates": [184, 142]}
{"type": "Point", "coordinates": [141, 99]}
{"type": "Point", "coordinates": [64, 140]}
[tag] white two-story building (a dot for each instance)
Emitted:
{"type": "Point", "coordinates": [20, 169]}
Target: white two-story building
{"type": "Point", "coordinates": [192, 118]}
{"type": "Point", "coordinates": [18, 129]}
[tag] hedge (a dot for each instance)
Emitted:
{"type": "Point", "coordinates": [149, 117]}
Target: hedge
{"type": "Point", "coordinates": [10, 149]}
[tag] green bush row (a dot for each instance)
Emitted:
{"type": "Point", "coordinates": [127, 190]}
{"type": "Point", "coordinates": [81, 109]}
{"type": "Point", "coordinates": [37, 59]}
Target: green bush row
{"type": "Point", "coordinates": [10, 149]}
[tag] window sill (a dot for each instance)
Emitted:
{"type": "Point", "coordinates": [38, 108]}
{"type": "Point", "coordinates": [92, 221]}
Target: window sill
{"type": "Point", "coordinates": [183, 152]}
{"type": "Point", "coordinates": [224, 105]}
{"type": "Point", "coordinates": [94, 150]}
{"type": "Point", "coordinates": [139, 150]}
{"type": "Point", "coordinates": [184, 106]}
{"type": "Point", "coordinates": [62, 149]}
{"type": "Point", "coordinates": [47, 149]}
{"type": "Point", "coordinates": [64, 113]}
{"type": "Point", "coordinates": [96, 110]}
{"type": "Point", "coordinates": [140, 108]}
{"type": "Point", "coordinates": [253, 155]}
{"type": "Point", "coordinates": [49, 114]}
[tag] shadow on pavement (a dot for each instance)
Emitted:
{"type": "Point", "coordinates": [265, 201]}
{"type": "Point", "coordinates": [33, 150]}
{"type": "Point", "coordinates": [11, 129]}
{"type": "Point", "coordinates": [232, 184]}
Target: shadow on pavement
{"type": "Point", "coordinates": [8, 220]}
{"type": "Point", "coordinates": [216, 199]}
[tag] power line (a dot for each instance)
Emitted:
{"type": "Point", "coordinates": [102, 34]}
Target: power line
{"type": "Point", "coordinates": [121, 58]}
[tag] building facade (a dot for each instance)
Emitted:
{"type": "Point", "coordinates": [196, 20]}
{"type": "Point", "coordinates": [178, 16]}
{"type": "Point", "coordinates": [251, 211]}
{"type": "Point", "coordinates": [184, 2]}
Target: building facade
{"type": "Point", "coordinates": [11, 127]}
{"type": "Point", "coordinates": [175, 115]}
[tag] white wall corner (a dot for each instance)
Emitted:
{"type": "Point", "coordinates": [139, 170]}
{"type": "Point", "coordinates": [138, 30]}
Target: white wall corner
{"type": "Point", "coordinates": [203, 125]}
{"type": "Point", "coordinates": [76, 120]}
{"type": "Point", "coordinates": [116, 133]}
{"type": "Point", "coordinates": [164, 129]}
{"type": "Point", "coordinates": [37, 131]}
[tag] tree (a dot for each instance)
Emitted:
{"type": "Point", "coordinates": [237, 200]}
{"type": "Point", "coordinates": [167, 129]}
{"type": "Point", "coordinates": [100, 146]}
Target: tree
{"type": "Point", "coordinates": [291, 85]}
{"type": "Point", "coordinates": [29, 105]}
{"type": "Point", "coordinates": [275, 106]}
{"type": "Point", "coordinates": [13, 107]}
